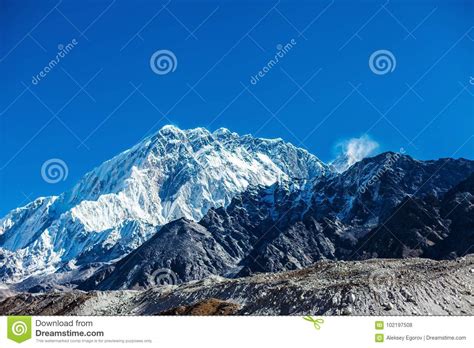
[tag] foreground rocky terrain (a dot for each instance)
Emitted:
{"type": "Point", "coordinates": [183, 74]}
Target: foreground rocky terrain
{"type": "Point", "coordinates": [372, 287]}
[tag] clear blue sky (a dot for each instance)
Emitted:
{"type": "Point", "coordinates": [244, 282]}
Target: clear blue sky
{"type": "Point", "coordinates": [219, 46]}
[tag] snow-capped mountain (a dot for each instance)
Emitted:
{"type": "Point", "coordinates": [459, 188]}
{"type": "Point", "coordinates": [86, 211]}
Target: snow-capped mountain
{"type": "Point", "coordinates": [198, 203]}
{"type": "Point", "coordinates": [116, 207]}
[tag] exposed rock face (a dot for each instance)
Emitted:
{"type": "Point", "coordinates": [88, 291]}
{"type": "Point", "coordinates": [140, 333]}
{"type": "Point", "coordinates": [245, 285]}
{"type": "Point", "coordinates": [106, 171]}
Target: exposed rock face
{"type": "Point", "coordinates": [207, 307]}
{"type": "Point", "coordinates": [183, 246]}
{"type": "Point", "coordinates": [373, 287]}
{"type": "Point", "coordinates": [278, 228]}
{"type": "Point", "coordinates": [429, 226]}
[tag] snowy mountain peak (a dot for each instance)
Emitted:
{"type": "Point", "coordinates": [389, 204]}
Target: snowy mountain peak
{"type": "Point", "coordinates": [117, 206]}
{"type": "Point", "coordinates": [222, 132]}
{"type": "Point", "coordinates": [170, 128]}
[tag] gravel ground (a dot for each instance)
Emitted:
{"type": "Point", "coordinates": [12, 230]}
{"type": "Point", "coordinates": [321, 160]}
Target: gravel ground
{"type": "Point", "coordinates": [372, 287]}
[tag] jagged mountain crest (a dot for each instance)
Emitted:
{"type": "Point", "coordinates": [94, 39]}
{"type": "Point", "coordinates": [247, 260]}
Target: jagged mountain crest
{"type": "Point", "coordinates": [114, 208]}
{"type": "Point", "coordinates": [187, 155]}
{"type": "Point", "coordinates": [260, 205]}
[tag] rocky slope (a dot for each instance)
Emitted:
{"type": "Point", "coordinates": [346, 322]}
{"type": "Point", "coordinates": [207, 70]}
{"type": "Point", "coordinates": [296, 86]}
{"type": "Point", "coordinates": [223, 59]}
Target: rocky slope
{"type": "Point", "coordinates": [120, 204]}
{"type": "Point", "coordinates": [278, 228]}
{"type": "Point", "coordinates": [373, 287]}
{"type": "Point", "coordinates": [429, 226]}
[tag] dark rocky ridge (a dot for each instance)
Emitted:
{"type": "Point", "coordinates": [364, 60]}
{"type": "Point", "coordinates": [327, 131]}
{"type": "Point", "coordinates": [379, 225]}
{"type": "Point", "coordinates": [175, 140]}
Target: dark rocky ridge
{"type": "Point", "coordinates": [428, 226]}
{"type": "Point", "coordinates": [387, 206]}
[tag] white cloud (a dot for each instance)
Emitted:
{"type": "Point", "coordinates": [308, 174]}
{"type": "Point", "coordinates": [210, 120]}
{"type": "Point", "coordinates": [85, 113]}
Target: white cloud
{"type": "Point", "coordinates": [354, 150]}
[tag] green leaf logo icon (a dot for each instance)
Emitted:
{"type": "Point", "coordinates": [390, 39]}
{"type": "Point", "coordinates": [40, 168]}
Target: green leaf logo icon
{"type": "Point", "coordinates": [19, 328]}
